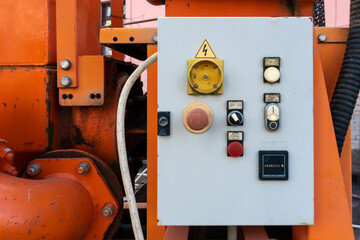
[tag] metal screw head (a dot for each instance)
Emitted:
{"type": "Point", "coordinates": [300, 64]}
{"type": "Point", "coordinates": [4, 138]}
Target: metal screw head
{"type": "Point", "coordinates": [108, 210]}
{"type": "Point", "coordinates": [214, 86]}
{"type": "Point", "coordinates": [66, 81]}
{"type": "Point", "coordinates": [83, 168]}
{"type": "Point", "coordinates": [33, 169]}
{"type": "Point", "coordinates": [205, 76]}
{"type": "Point", "coordinates": [65, 64]}
{"type": "Point", "coordinates": [155, 38]}
{"type": "Point", "coordinates": [215, 67]}
{"type": "Point", "coordinates": [322, 37]}
{"type": "Point", "coordinates": [195, 86]}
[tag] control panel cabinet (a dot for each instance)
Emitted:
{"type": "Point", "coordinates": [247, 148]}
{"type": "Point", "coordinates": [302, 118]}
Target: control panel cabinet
{"type": "Point", "coordinates": [238, 148]}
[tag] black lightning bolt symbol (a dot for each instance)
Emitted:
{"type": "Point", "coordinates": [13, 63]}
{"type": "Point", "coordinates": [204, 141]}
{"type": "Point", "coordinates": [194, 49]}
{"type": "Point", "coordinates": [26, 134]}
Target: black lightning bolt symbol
{"type": "Point", "coordinates": [204, 49]}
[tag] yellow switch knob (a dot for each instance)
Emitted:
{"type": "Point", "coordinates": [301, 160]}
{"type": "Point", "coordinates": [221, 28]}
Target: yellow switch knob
{"type": "Point", "coordinates": [205, 76]}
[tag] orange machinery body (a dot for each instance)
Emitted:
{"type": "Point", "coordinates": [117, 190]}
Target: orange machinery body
{"type": "Point", "coordinates": [33, 122]}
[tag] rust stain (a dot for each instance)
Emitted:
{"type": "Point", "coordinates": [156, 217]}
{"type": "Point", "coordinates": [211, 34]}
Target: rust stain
{"type": "Point", "coordinates": [79, 139]}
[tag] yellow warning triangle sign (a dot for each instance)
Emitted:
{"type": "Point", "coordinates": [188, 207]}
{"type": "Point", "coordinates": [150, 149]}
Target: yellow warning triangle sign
{"type": "Point", "coordinates": [205, 51]}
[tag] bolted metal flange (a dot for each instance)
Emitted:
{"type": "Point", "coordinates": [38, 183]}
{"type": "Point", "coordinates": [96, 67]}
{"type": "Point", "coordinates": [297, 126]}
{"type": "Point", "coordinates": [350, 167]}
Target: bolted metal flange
{"type": "Point", "coordinates": [108, 210]}
{"type": "Point", "coordinates": [33, 169]}
{"type": "Point", "coordinates": [83, 168]}
{"type": "Point", "coordinates": [65, 64]}
{"type": "Point", "coordinates": [66, 81]}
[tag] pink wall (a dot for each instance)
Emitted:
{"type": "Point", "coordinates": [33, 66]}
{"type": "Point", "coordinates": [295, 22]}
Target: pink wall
{"type": "Point", "coordinates": [337, 13]}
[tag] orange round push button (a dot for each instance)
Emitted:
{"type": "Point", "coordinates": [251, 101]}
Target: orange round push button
{"type": "Point", "coordinates": [197, 119]}
{"type": "Point", "coordinates": [235, 149]}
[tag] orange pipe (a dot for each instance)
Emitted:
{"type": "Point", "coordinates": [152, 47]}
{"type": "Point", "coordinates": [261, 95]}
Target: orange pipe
{"type": "Point", "coordinates": [53, 208]}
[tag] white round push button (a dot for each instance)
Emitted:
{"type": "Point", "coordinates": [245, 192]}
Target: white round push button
{"type": "Point", "coordinates": [272, 74]}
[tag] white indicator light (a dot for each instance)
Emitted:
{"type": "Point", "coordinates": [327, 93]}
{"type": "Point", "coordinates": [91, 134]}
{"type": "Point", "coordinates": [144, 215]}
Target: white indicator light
{"type": "Point", "coordinates": [272, 74]}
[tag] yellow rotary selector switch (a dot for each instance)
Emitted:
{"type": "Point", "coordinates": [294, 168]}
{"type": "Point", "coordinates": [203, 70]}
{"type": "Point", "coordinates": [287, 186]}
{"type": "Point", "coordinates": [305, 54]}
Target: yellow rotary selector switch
{"type": "Point", "coordinates": [205, 72]}
{"type": "Point", "coordinates": [205, 76]}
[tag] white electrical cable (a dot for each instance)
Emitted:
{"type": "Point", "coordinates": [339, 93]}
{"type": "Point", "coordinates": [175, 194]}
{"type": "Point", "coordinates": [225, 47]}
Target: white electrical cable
{"type": "Point", "coordinates": [120, 137]}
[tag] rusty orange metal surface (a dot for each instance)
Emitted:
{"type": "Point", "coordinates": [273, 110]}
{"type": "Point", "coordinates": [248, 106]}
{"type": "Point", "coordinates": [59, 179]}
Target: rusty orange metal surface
{"type": "Point", "coordinates": [90, 90]}
{"type": "Point", "coordinates": [92, 129]}
{"type": "Point", "coordinates": [97, 190]}
{"type": "Point", "coordinates": [29, 110]}
{"type": "Point", "coordinates": [244, 8]}
{"type": "Point", "coordinates": [27, 32]}
{"type": "Point", "coordinates": [332, 214]}
{"type": "Point", "coordinates": [127, 35]}
{"type": "Point", "coordinates": [77, 33]}
{"type": "Point", "coordinates": [57, 207]}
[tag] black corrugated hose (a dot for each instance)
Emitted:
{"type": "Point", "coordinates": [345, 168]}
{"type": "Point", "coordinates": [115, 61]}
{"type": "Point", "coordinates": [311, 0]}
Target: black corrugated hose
{"type": "Point", "coordinates": [347, 87]}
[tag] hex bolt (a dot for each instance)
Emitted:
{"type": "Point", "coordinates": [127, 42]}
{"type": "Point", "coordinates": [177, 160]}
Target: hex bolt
{"type": "Point", "coordinates": [108, 210]}
{"type": "Point", "coordinates": [155, 38]}
{"type": "Point", "coordinates": [33, 169]}
{"type": "Point", "coordinates": [322, 37]}
{"type": "Point", "coordinates": [83, 168]}
{"type": "Point", "coordinates": [65, 64]}
{"type": "Point", "coordinates": [66, 81]}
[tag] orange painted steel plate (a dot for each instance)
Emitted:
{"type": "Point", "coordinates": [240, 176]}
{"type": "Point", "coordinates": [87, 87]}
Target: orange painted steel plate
{"type": "Point", "coordinates": [333, 35]}
{"type": "Point", "coordinates": [331, 54]}
{"type": "Point", "coordinates": [127, 35]}
{"type": "Point", "coordinates": [27, 32]}
{"type": "Point", "coordinates": [90, 90]}
{"type": "Point", "coordinates": [154, 232]}
{"type": "Point", "coordinates": [244, 8]}
{"type": "Point", "coordinates": [92, 181]}
{"type": "Point", "coordinates": [332, 214]}
{"type": "Point", "coordinates": [117, 15]}
{"type": "Point", "coordinates": [66, 38]}
{"type": "Point", "coordinates": [29, 111]}
{"type": "Point", "coordinates": [77, 33]}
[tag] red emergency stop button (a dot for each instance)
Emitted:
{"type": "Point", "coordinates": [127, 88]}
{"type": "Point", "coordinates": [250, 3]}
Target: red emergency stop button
{"type": "Point", "coordinates": [235, 149]}
{"type": "Point", "coordinates": [197, 119]}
